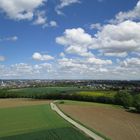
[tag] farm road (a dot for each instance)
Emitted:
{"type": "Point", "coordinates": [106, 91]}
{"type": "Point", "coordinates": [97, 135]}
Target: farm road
{"type": "Point", "coordinates": [79, 126]}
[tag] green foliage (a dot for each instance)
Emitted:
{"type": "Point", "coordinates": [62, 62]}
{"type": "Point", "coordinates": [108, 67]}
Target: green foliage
{"type": "Point", "coordinates": [61, 102]}
{"type": "Point", "coordinates": [96, 96]}
{"type": "Point", "coordinates": [35, 123]}
{"type": "Point", "coordinates": [37, 93]}
{"type": "Point", "coordinates": [124, 98]}
{"type": "Point", "coordinates": [137, 102]}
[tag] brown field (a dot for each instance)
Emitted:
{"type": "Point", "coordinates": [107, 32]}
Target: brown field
{"type": "Point", "coordinates": [6, 103]}
{"type": "Point", "coordinates": [115, 123]}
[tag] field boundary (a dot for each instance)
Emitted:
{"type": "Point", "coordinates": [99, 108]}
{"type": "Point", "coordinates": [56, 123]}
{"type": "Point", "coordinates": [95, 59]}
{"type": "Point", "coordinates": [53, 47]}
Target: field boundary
{"type": "Point", "coordinates": [87, 131]}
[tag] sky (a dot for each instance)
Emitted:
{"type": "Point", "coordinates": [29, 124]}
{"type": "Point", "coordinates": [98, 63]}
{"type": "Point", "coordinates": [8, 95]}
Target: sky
{"type": "Point", "coordinates": [70, 39]}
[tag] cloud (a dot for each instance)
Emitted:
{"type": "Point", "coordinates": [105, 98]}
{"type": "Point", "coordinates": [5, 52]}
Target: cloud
{"type": "Point", "coordinates": [85, 55]}
{"type": "Point", "coordinates": [121, 36]}
{"type": "Point", "coordinates": [77, 68]}
{"type": "Point", "coordinates": [118, 40]}
{"type": "Point", "coordinates": [53, 23]}
{"type": "Point", "coordinates": [20, 9]}
{"type": "Point", "coordinates": [12, 38]}
{"type": "Point", "coordinates": [129, 15]}
{"type": "Point", "coordinates": [98, 61]}
{"type": "Point", "coordinates": [121, 54]}
{"type": "Point", "coordinates": [41, 57]}
{"type": "Point", "coordinates": [131, 62]}
{"type": "Point", "coordinates": [66, 63]}
{"type": "Point", "coordinates": [2, 58]}
{"type": "Point", "coordinates": [41, 18]}
{"type": "Point", "coordinates": [23, 70]}
{"type": "Point", "coordinates": [97, 26]}
{"type": "Point", "coordinates": [62, 54]}
{"type": "Point", "coordinates": [26, 10]}
{"type": "Point", "coordinates": [82, 67]}
{"type": "Point", "coordinates": [76, 42]}
{"type": "Point", "coordinates": [115, 39]}
{"type": "Point", "coordinates": [64, 3]}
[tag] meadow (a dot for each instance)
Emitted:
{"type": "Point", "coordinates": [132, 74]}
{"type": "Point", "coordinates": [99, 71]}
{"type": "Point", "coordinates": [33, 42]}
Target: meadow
{"type": "Point", "coordinates": [35, 122]}
{"type": "Point", "coordinates": [36, 92]}
{"type": "Point", "coordinates": [41, 90]}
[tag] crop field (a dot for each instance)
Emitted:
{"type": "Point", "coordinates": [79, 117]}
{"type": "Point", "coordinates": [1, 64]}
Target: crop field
{"type": "Point", "coordinates": [97, 93]}
{"type": "Point", "coordinates": [36, 92]}
{"type": "Point", "coordinates": [110, 120]}
{"type": "Point", "coordinates": [35, 122]}
{"type": "Point", "coordinates": [42, 90]}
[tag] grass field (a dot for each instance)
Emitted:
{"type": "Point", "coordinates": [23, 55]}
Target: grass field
{"type": "Point", "coordinates": [83, 103]}
{"type": "Point", "coordinates": [42, 90]}
{"type": "Point", "coordinates": [35, 122]}
{"type": "Point", "coordinates": [36, 92]}
{"type": "Point", "coordinates": [110, 120]}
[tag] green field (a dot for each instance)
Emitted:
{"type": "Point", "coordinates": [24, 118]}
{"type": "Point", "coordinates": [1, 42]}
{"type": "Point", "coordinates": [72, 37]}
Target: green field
{"type": "Point", "coordinates": [83, 103]}
{"type": "Point", "coordinates": [37, 92]}
{"type": "Point", "coordinates": [41, 90]}
{"type": "Point", "coordinates": [35, 123]}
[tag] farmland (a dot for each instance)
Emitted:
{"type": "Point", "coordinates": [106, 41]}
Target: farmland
{"type": "Point", "coordinates": [97, 93]}
{"type": "Point", "coordinates": [19, 102]}
{"type": "Point", "coordinates": [34, 122]}
{"type": "Point", "coordinates": [110, 120]}
{"type": "Point", "coordinates": [57, 93]}
{"type": "Point", "coordinates": [31, 92]}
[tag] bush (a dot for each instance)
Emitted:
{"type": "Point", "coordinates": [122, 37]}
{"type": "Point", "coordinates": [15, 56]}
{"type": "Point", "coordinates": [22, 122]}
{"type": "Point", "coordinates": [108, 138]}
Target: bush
{"type": "Point", "coordinates": [61, 102]}
{"type": "Point", "coordinates": [137, 102]}
{"type": "Point", "coordinates": [124, 98]}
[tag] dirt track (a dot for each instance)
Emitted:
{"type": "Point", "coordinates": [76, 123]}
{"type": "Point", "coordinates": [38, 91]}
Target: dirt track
{"type": "Point", "coordinates": [6, 103]}
{"type": "Point", "coordinates": [114, 123]}
{"type": "Point", "coordinates": [76, 124]}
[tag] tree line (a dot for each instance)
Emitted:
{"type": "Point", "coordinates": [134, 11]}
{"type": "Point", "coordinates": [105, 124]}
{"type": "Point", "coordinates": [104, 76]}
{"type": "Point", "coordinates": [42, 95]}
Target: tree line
{"type": "Point", "coordinates": [124, 98]}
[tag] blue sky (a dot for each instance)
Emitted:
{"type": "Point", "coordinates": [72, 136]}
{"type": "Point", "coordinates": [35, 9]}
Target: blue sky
{"type": "Point", "coordinates": [70, 39]}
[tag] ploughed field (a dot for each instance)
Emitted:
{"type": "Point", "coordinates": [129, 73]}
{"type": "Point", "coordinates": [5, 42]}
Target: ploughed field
{"type": "Point", "coordinates": [110, 120]}
{"type": "Point", "coordinates": [22, 119]}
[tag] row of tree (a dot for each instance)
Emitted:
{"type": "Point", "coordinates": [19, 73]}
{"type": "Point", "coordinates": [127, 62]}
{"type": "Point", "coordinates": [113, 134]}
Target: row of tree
{"type": "Point", "coordinates": [128, 100]}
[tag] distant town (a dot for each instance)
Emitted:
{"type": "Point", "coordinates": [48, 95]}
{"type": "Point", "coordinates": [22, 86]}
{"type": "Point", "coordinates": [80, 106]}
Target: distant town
{"type": "Point", "coordinates": [91, 84]}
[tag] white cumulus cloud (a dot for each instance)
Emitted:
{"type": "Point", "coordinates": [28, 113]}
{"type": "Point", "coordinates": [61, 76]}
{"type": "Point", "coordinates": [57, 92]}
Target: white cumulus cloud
{"type": "Point", "coordinates": [40, 18]}
{"type": "Point", "coordinates": [118, 40]}
{"type": "Point", "coordinates": [129, 15]}
{"type": "Point", "coordinates": [42, 57]}
{"type": "Point", "coordinates": [64, 3]}
{"type": "Point", "coordinates": [20, 9]}
{"type": "Point", "coordinates": [76, 41]}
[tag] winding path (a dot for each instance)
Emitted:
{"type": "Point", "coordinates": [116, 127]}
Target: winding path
{"type": "Point", "coordinates": [79, 126]}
